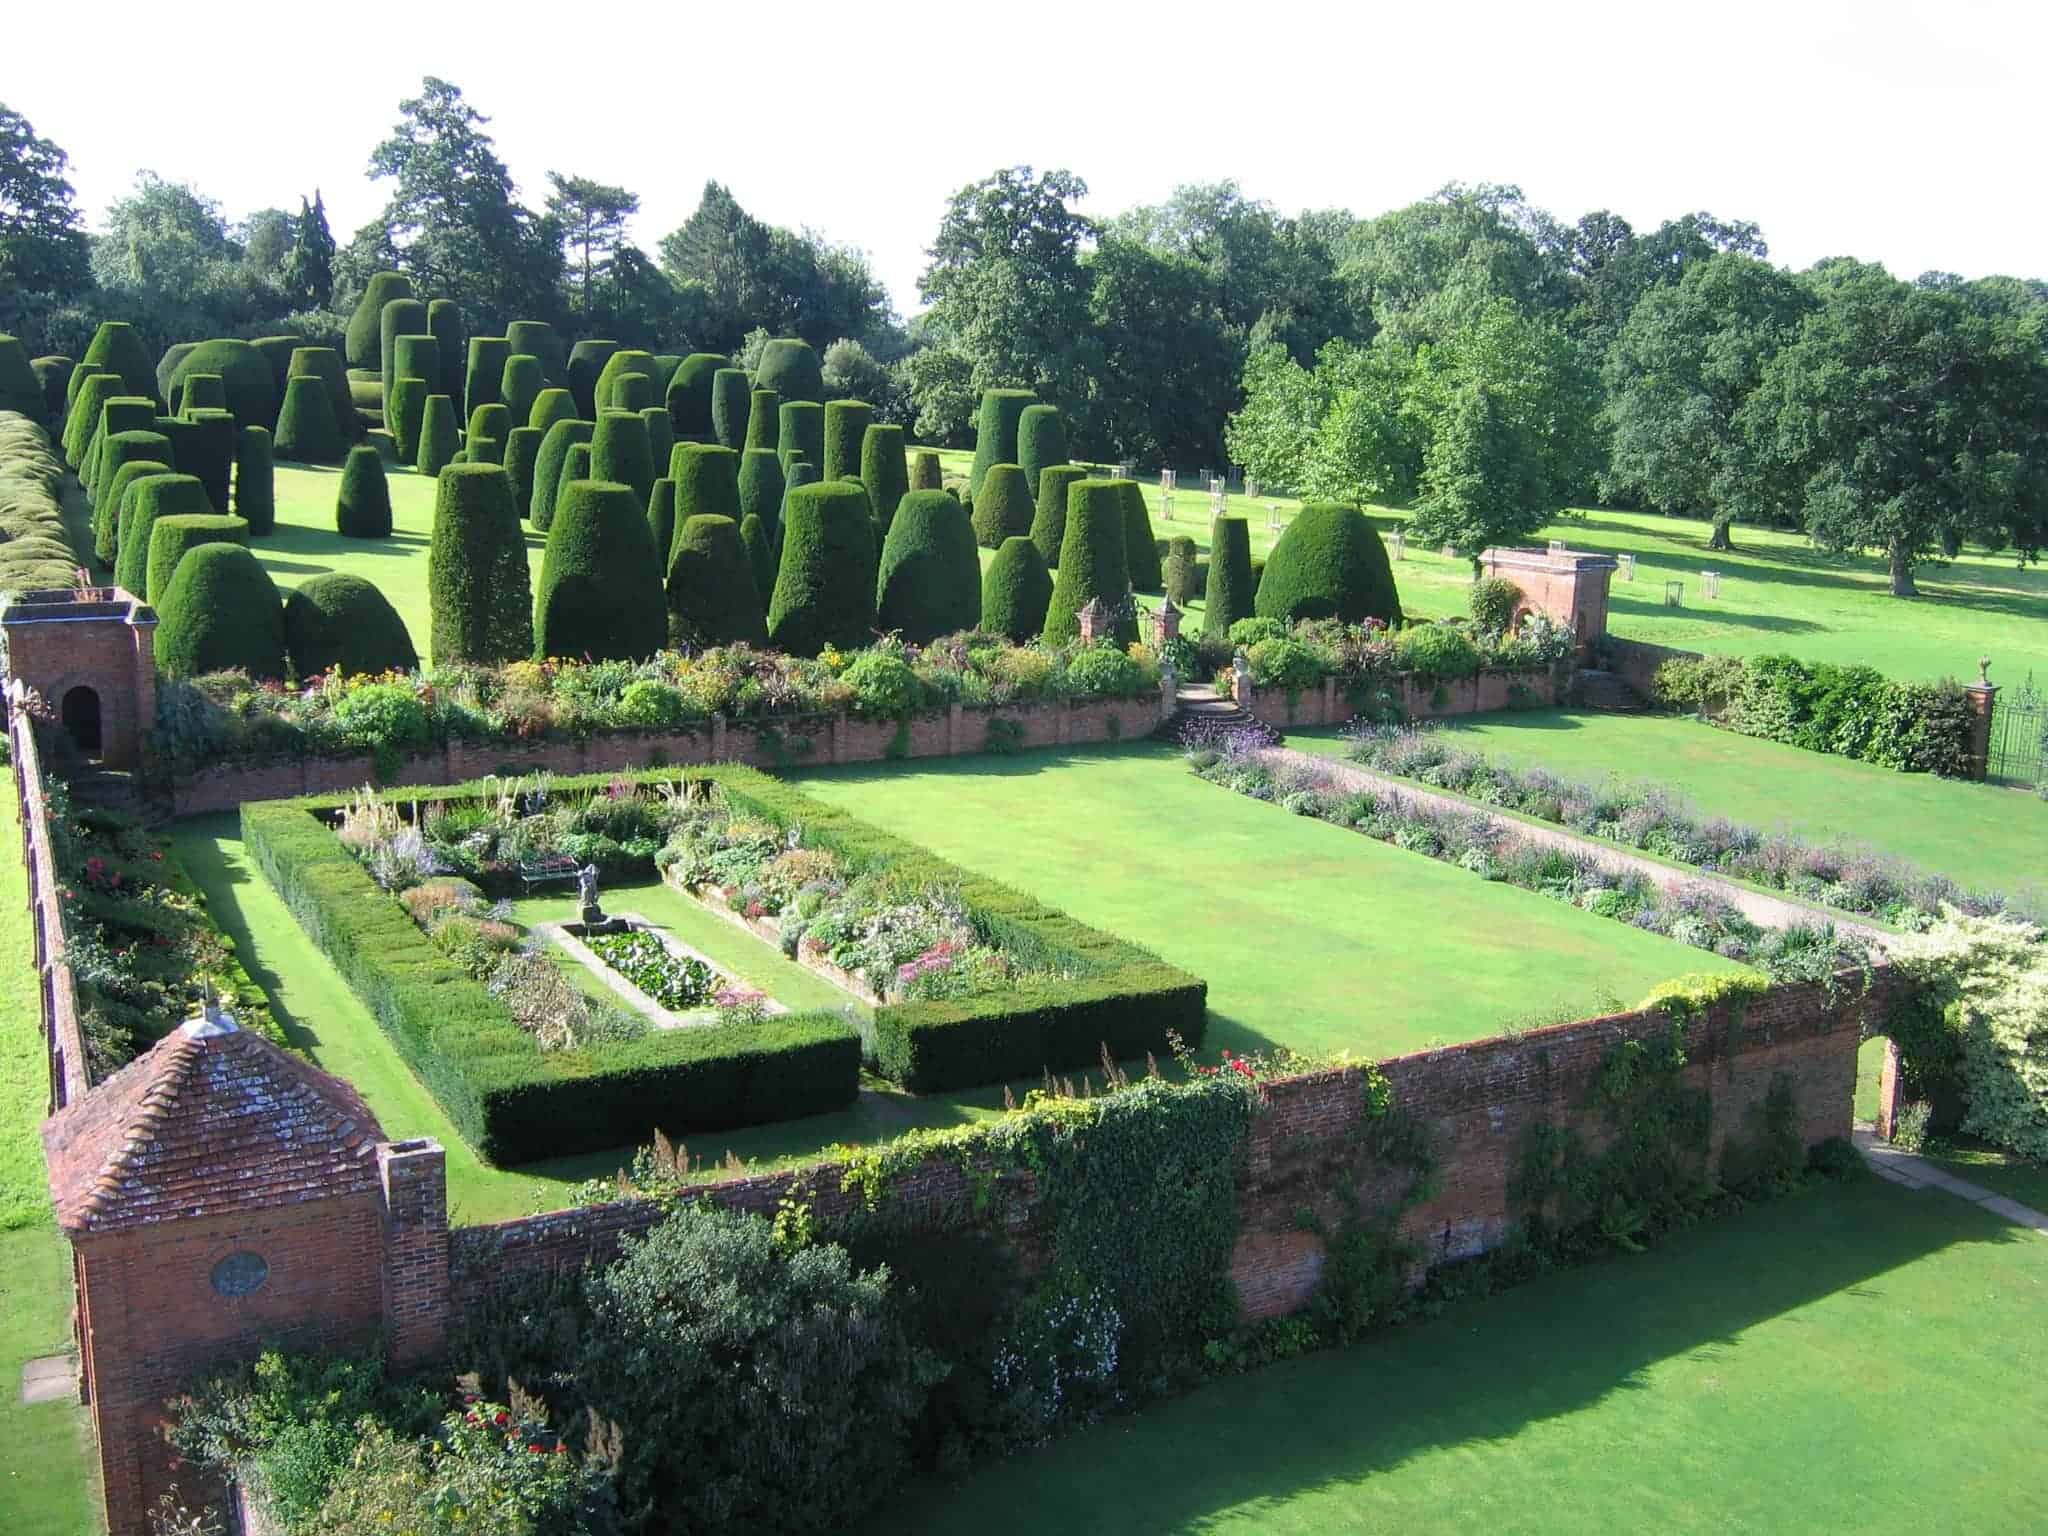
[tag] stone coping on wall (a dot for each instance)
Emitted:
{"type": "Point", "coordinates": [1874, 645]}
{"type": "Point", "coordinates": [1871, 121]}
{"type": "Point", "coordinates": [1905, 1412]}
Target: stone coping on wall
{"type": "Point", "coordinates": [63, 1036]}
{"type": "Point", "coordinates": [1491, 689]}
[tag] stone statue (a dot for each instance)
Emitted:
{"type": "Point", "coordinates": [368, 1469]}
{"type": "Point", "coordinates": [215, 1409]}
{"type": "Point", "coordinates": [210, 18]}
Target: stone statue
{"type": "Point", "coordinates": [586, 886]}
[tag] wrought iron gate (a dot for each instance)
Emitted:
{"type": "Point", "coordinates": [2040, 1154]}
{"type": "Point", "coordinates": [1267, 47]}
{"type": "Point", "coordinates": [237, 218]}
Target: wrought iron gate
{"type": "Point", "coordinates": [2019, 736]}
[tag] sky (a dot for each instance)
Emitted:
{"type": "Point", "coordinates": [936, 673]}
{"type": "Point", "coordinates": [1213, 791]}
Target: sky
{"type": "Point", "coordinates": [1894, 131]}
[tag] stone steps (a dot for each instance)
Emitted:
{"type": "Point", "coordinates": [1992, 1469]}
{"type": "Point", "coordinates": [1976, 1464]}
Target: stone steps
{"type": "Point", "coordinates": [1597, 689]}
{"type": "Point", "coordinates": [1199, 715]}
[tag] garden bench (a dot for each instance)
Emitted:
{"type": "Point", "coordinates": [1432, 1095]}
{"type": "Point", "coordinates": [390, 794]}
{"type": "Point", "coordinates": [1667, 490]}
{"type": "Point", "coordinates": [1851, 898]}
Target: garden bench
{"type": "Point", "coordinates": [534, 872]}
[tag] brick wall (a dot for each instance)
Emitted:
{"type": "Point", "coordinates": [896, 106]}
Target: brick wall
{"type": "Point", "coordinates": [1636, 662]}
{"type": "Point", "coordinates": [1328, 704]}
{"type": "Point", "coordinates": [62, 1036]}
{"type": "Point", "coordinates": [59, 641]}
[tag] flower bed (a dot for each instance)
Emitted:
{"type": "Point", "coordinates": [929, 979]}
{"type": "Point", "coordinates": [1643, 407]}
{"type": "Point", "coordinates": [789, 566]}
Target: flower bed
{"type": "Point", "coordinates": [680, 983]}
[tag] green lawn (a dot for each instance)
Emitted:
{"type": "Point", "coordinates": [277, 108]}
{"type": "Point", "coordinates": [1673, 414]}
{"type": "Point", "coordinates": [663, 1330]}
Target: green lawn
{"type": "Point", "coordinates": [1980, 835]}
{"type": "Point", "coordinates": [1849, 1355]}
{"type": "Point", "coordinates": [2002, 1172]}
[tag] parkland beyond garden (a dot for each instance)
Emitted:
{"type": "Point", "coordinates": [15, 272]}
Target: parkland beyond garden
{"type": "Point", "coordinates": [631, 941]}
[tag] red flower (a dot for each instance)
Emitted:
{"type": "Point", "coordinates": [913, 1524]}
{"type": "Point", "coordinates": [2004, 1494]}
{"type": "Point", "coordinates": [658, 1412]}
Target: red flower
{"type": "Point", "coordinates": [501, 1418]}
{"type": "Point", "coordinates": [537, 1448]}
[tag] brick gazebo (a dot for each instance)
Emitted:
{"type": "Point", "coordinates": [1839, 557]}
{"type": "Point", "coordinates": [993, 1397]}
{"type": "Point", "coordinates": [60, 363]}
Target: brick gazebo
{"type": "Point", "coordinates": [220, 1194]}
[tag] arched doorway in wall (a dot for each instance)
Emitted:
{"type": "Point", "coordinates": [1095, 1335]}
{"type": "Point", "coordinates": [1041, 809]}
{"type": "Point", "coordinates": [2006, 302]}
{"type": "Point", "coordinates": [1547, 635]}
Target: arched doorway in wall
{"type": "Point", "coordinates": [81, 715]}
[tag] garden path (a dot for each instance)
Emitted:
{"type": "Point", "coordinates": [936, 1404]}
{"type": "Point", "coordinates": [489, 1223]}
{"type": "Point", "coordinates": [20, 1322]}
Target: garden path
{"type": "Point", "coordinates": [1915, 1172]}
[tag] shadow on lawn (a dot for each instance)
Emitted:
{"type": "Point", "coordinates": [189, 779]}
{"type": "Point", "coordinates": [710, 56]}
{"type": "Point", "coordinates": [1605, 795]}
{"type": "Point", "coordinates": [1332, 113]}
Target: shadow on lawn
{"type": "Point", "coordinates": [1476, 1377]}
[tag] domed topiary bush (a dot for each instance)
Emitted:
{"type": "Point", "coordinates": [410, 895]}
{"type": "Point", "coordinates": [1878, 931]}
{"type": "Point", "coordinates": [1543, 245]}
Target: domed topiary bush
{"type": "Point", "coordinates": [661, 515]}
{"type": "Point", "coordinates": [1016, 592]}
{"type": "Point", "coordinates": [166, 365]}
{"type": "Point", "coordinates": [551, 406]}
{"type": "Point", "coordinates": [221, 612]}
{"type": "Point", "coordinates": [688, 394]}
{"type": "Point", "coordinates": [444, 324]}
{"type": "Point", "coordinates": [1329, 563]}
{"type": "Point", "coordinates": [402, 317]}
{"type": "Point", "coordinates": [364, 339]}
{"type": "Point", "coordinates": [439, 435]}
{"type": "Point", "coordinates": [1041, 441]}
{"type": "Point", "coordinates": [362, 506]}
{"type": "Point", "coordinates": [802, 434]}
{"type": "Point", "coordinates": [760, 551]}
{"type": "Point", "coordinates": [791, 368]}
{"type": "Point", "coordinates": [1141, 547]}
{"type": "Point", "coordinates": [341, 623]}
{"type": "Point", "coordinates": [825, 583]}
{"type": "Point", "coordinates": [306, 430]}
{"type": "Point", "coordinates": [522, 448]}
{"type": "Point", "coordinates": [479, 592]}
{"type": "Point", "coordinates": [929, 580]}
{"type": "Point", "coordinates": [277, 351]}
{"type": "Point", "coordinates": [1230, 591]}
{"type": "Point", "coordinates": [995, 432]}
{"type": "Point", "coordinates": [117, 450]}
{"type": "Point", "coordinates": [661, 436]}
{"type": "Point", "coordinates": [619, 452]}
{"type": "Point", "coordinates": [406, 409]}
{"type": "Point", "coordinates": [537, 338]}
{"type": "Point", "coordinates": [761, 486]}
{"type": "Point", "coordinates": [519, 385]}
{"type": "Point", "coordinates": [628, 361]}
{"type": "Point", "coordinates": [115, 348]}
{"type": "Point", "coordinates": [586, 362]}
{"type": "Point", "coordinates": [712, 595]}
{"type": "Point", "coordinates": [324, 364]}
{"type": "Point", "coordinates": [846, 424]}
{"type": "Point", "coordinates": [732, 404]}
{"type": "Point", "coordinates": [199, 392]}
{"type": "Point", "coordinates": [1002, 507]}
{"type": "Point", "coordinates": [547, 469]}
{"type": "Point", "coordinates": [1049, 520]}
{"type": "Point", "coordinates": [106, 512]}
{"type": "Point", "coordinates": [171, 538]}
{"type": "Point", "coordinates": [883, 471]}
{"type": "Point", "coordinates": [764, 420]}
{"type": "Point", "coordinates": [600, 594]}
{"type": "Point", "coordinates": [1183, 571]}
{"type": "Point", "coordinates": [256, 481]}
{"type": "Point", "coordinates": [1091, 561]}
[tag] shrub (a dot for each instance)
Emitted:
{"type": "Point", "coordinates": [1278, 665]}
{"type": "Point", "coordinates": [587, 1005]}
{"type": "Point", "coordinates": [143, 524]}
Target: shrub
{"type": "Point", "coordinates": [929, 579]}
{"type": "Point", "coordinates": [712, 596]}
{"type": "Point", "coordinates": [199, 392]}
{"type": "Point", "coordinates": [925, 474]}
{"type": "Point", "coordinates": [1002, 506]}
{"type": "Point", "coordinates": [324, 364]}
{"type": "Point", "coordinates": [731, 407]}
{"type": "Point", "coordinates": [884, 686]}
{"type": "Point", "coordinates": [170, 538]}
{"type": "Point", "coordinates": [1103, 671]}
{"type": "Point", "coordinates": [600, 592]}
{"type": "Point", "coordinates": [1493, 602]}
{"type": "Point", "coordinates": [417, 357]}
{"type": "Point", "coordinates": [1229, 596]}
{"type": "Point", "coordinates": [624, 363]}
{"type": "Point", "coordinates": [586, 364]}
{"type": "Point", "coordinates": [1183, 571]}
{"type": "Point", "coordinates": [117, 451]}
{"type": "Point", "coordinates": [115, 348]}
{"type": "Point", "coordinates": [1049, 520]}
{"type": "Point", "coordinates": [791, 368]}
{"type": "Point", "coordinates": [800, 473]}
{"type": "Point", "coordinates": [802, 433]}
{"type": "Point", "coordinates": [707, 482]}
{"type": "Point", "coordinates": [20, 389]}
{"type": "Point", "coordinates": [364, 339]}
{"type": "Point", "coordinates": [1041, 441]}
{"type": "Point", "coordinates": [403, 317]}
{"type": "Point", "coordinates": [764, 420]}
{"type": "Point", "coordinates": [107, 512]}
{"type": "Point", "coordinates": [537, 338]}
{"type": "Point", "coordinates": [825, 585]}
{"type": "Point", "coordinates": [619, 453]}
{"type": "Point", "coordinates": [551, 406]}
{"type": "Point", "coordinates": [439, 435]}
{"type": "Point", "coordinates": [661, 437]}
{"type": "Point", "coordinates": [1328, 564]}
{"type": "Point", "coordinates": [1141, 547]}
{"type": "Point", "coordinates": [53, 374]}
{"type": "Point", "coordinates": [547, 469]}
{"type": "Point", "coordinates": [661, 516]}
{"type": "Point", "coordinates": [688, 395]}
{"type": "Point", "coordinates": [519, 385]}
{"type": "Point", "coordinates": [846, 424]}
{"type": "Point", "coordinates": [221, 613]}
{"type": "Point", "coordinates": [1436, 653]}
{"type": "Point", "coordinates": [405, 413]}
{"type": "Point", "coordinates": [630, 392]}
{"type": "Point", "coordinates": [651, 705]}
{"type": "Point", "coordinates": [255, 481]}
{"type": "Point", "coordinates": [1091, 561]}
{"type": "Point", "coordinates": [444, 324]}
{"type": "Point", "coordinates": [575, 467]}
{"type": "Point", "coordinates": [82, 425]}
{"type": "Point", "coordinates": [122, 413]}
{"type": "Point", "coordinates": [522, 451]}
{"type": "Point", "coordinates": [1285, 664]}
{"type": "Point", "coordinates": [152, 497]}
{"type": "Point", "coordinates": [995, 433]}
{"type": "Point", "coordinates": [1986, 980]}
{"type": "Point", "coordinates": [883, 470]}
{"type": "Point", "coordinates": [760, 552]}
{"type": "Point", "coordinates": [478, 588]}
{"type": "Point", "coordinates": [1016, 592]}
{"type": "Point", "coordinates": [204, 445]}
{"type": "Point", "coordinates": [761, 486]}
{"type": "Point", "coordinates": [341, 623]}
{"type": "Point", "coordinates": [306, 430]}
{"type": "Point", "coordinates": [362, 507]}
{"type": "Point", "coordinates": [277, 352]}
{"type": "Point", "coordinates": [487, 421]}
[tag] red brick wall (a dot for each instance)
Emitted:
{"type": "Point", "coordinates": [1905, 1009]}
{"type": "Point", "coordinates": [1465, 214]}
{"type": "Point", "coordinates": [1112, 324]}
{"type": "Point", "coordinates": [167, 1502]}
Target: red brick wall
{"type": "Point", "coordinates": [108, 646]}
{"type": "Point", "coordinates": [1328, 704]}
{"type": "Point", "coordinates": [61, 1034]}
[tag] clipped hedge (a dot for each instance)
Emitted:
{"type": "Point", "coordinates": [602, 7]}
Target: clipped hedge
{"type": "Point", "coordinates": [440, 436]}
{"type": "Point", "coordinates": [306, 429]}
{"type": "Point", "coordinates": [324, 364]}
{"type": "Point", "coordinates": [1183, 571]}
{"type": "Point", "coordinates": [760, 551]}
{"type": "Point", "coordinates": [929, 581]}
{"type": "Point", "coordinates": [484, 369]}
{"type": "Point", "coordinates": [53, 374]}
{"type": "Point", "coordinates": [200, 392]}
{"type": "Point", "coordinates": [118, 450]}
{"type": "Point", "coordinates": [513, 1102]}
{"type": "Point", "coordinates": [764, 420]}
{"type": "Point", "coordinates": [761, 487]}
{"type": "Point", "coordinates": [1231, 587]}
{"type": "Point", "coordinates": [661, 515]}
{"type": "Point", "coordinates": [1049, 519]}
{"type": "Point", "coordinates": [488, 421]}
{"type": "Point", "coordinates": [444, 323]}
{"type": "Point", "coordinates": [150, 498]}
{"type": "Point", "coordinates": [1141, 545]}
{"type": "Point", "coordinates": [1041, 440]}
{"type": "Point", "coordinates": [522, 450]}
{"type": "Point", "coordinates": [1091, 560]}
{"type": "Point", "coordinates": [825, 584]}
{"type": "Point", "coordinates": [364, 338]}
{"type": "Point", "coordinates": [20, 389]}
{"type": "Point", "coordinates": [884, 471]}
{"type": "Point", "coordinates": [405, 410]}
{"type": "Point", "coordinates": [1329, 563]}
{"type": "Point", "coordinates": [362, 505]}
{"type": "Point", "coordinates": [1002, 507]}
{"type": "Point", "coordinates": [106, 512]}
{"type": "Point", "coordinates": [688, 394]}
{"type": "Point", "coordinates": [802, 434]}
{"type": "Point", "coordinates": [221, 612]}
{"type": "Point", "coordinates": [712, 596]}
{"type": "Point", "coordinates": [732, 407]}
{"type": "Point", "coordinates": [995, 432]}
{"type": "Point", "coordinates": [171, 538]}
{"type": "Point", "coordinates": [402, 317]}
{"type": "Point", "coordinates": [846, 423]}
{"type": "Point", "coordinates": [551, 406]}
{"type": "Point", "coordinates": [1016, 592]}
{"type": "Point", "coordinates": [479, 591]}
{"type": "Point", "coordinates": [627, 363]}
{"type": "Point", "coordinates": [115, 348]}
{"type": "Point", "coordinates": [519, 385]}
{"type": "Point", "coordinates": [586, 362]}
{"type": "Point", "coordinates": [547, 468]}
{"type": "Point", "coordinates": [619, 451]}
{"type": "Point", "coordinates": [925, 474]}
{"type": "Point", "coordinates": [600, 589]}
{"type": "Point", "coordinates": [339, 622]}
{"type": "Point", "coordinates": [661, 436]}
{"type": "Point", "coordinates": [206, 448]}
{"type": "Point", "coordinates": [791, 368]}
{"type": "Point", "coordinates": [256, 480]}
{"type": "Point", "coordinates": [537, 338]}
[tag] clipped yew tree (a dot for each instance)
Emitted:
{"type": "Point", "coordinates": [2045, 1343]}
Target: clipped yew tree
{"type": "Point", "coordinates": [732, 406]}
{"type": "Point", "coordinates": [487, 421]}
{"type": "Point", "coordinates": [1183, 571]}
{"type": "Point", "coordinates": [551, 406]}
{"type": "Point", "coordinates": [256, 480]}
{"type": "Point", "coordinates": [707, 481]}
{"type": "Point", "coordinates": [406, 410]}
{"type": "Point", "coordinates": [479, 592]}
{"type": "Point", "coordinates": [306, 429]}
{"type": "Point", "coordinates": [713, 598]}
{"type": "Point", "coordinates": [761, 485]}
{"type": "Point", "coordinates": [846, 424]}
{"type": "Point", "coordinates": [1141, 545]}
{"type": "Point", "coordinates": [537, 338]}
{"type": "Point", "coordinates": [661, 515]}
{"type": "Point", "coordinates": [402, 317]}
{"type": "Point", "coordinates": [1016, 591]}
{"type": "Point", "coordinates": [199, 392]}
{"type": "Point", "coordinates": [925, 474]}
{"type": "Point", "coordinates": [440, 437]}
{"type": "Point", "coordinates": [341, 623]}
{"type": "Point", "coordinates": [627, 363]}
{"type": "Point", "coordinates": [575, 466]}
{"type": "Point", "coordinates": [519, 385]}
{"type": "Point", "coordinates": [54, 373]}
{"type": "Point", "coordinates": [20, 390]}
{"type": "Point", "coordinates": [600, 595]}
{"type": "Point", "coordinates": [171, 538]}
{"type": "Point", "coordinates": [929, 580]}
{"type": "Point", "coordinates": [362, 505]}
{"type": "Point", "coordinates": [165, 367]}
{"type": "Point", "coordinates": [547, 469]}
{"type": "Point", "coordinates": [118, 450]}
{"type": "Point", "coordinates": [324, 364]}
{"type": "Point", "coordinates": [221, 612]}
{"type": "Point", "coordinates": [1091, 561]}
{"type": "Point", "coordinates": [995, 432]}
{"type": "Point", "coordinates": [277, 352]}
{"type": "Point", "coordinates": [760, 551]}
{"type": "Point", "coordinates": [825, 583]}
{"type": "Point", "coordinates": [619, 451]}
{"type": "Point", "coordinates": [688, 395]}
{"type": "Point", "coordinates": [802, 434]}
{"type": "Point", "coordinates": [82, 425]}
{"type": "Point", "coordinates": [791, 368]}
{"type": "Point", "coordinates": [883, 471]}
{"type": "Point", "coordinates": [1329, 563]}
{"type": "Point", "coordinates": [115, 348]}
{"type": "Point", "coordinates": [364, 339]}
{"type": "Point", "coordinates": [661, 436]}
{"type": "Point", "coordinates": [108, 511]}
{"type": "Point", "coordinates": [418, 357]}
{"type": "Point", "coordinates": [1049, 518]}
{"type": "Point", "coordinates": [1041, 440]}
{"type": "Point", "coordinates": [206, 448]}
{"type": "Point", "coordinates": [586, 362]}
{"type": "Point", "coordinates": [444, 324]}
{"type": "Point", "coordinates": [764, 420]}
{"type": "Point", "coordinates": [1002, 507]}
{"type": "Point", "coordinates": [522, 449]}
{"type": "Point", "coordinates": [1229, 594]}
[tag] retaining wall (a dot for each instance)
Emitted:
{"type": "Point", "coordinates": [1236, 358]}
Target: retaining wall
{"type": "Point", "coordinates": [1328, 703]}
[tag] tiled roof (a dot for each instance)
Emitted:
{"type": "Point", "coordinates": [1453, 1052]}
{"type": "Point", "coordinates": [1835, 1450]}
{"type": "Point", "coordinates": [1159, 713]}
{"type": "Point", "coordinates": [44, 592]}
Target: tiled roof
{"type": "Point", "coordinates": [210, 1119]}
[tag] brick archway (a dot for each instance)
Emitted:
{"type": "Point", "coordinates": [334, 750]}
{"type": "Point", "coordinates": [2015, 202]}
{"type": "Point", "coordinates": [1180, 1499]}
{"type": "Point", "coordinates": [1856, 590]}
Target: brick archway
{"type": "Point", "coordinates": [80, 714]}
